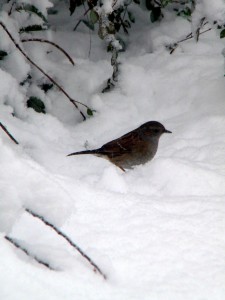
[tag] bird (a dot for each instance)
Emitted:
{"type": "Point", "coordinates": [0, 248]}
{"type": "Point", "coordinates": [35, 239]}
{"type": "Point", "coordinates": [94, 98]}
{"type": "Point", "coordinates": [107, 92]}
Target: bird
{"type": "Point", "coordinates": [134, 148]}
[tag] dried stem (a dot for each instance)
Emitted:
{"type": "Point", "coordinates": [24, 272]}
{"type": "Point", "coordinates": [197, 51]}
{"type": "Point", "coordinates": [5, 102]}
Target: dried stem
{"type": "Point", "coordinates": [74, 102]}
{"type": "Point", "coordinates": [201, 24]}
{"type": "Point", "coordinates": [8, 133]}
{"type": "Point", "coordinates": [59, 232]}
{"type": "Point", "coordinates": [10, 11]}
{"type": "Point", "coordinates": [188, 37]}
{"type": "Point", "coordinates": [17, 245]}
{"type": "Point", "coordinates": [53, 44]}
{"type": "Point", "coordinates": [78, 23]}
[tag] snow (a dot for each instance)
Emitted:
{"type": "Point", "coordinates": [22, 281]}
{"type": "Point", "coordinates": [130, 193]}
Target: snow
{"type": "Point", "coordinates": [215, 11]}
{"type": "Point", "coordinates": [157, 231]}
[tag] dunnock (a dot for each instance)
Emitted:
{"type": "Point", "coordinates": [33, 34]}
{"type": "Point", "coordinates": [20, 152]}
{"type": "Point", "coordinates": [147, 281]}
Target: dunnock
{"type": "Point", "coordinates": [134, 148]}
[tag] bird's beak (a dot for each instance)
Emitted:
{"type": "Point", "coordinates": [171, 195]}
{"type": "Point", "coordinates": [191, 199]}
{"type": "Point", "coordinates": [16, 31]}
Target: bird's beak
{"type": "Point", "coordinates": [167, 131]}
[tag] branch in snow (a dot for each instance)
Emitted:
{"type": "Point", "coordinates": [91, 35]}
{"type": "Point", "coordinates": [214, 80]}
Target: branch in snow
{"type": "Point", "coordinates": [200, 25]}
{"type": "Point", "coordinates": [107, 33]}
{"type": "Point", "coordinates": [17, 245]}
{"type": "Point", "coordinates": [172, 47]}
{"type": "Point", "coordinates": [80, 19]}
{"type": "Point", "coordinates": [74, 102]}
{"type": "Point", "coordinates": [49, 42]}
{"type": "Point", "coordinates": [11, 8]}
{"type": "Point", "coordinates": [59, 232]}
{"type": "Point", "coordinates": [8, 133]}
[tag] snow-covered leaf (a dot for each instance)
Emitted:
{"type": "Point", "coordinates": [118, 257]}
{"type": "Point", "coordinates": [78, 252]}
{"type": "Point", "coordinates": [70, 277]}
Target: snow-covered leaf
{"type": "Point", "coordinates": [94, 17]}
{"type": "Point", "coordinates": [222, 34]}
{"type": "Point", "coordinates": [131, 16]}
{"type": "Point", "coordinates": [155, 14]}
{"type": "Point", "coordinates": [37, 104]}
{"type": "Point", "coordinates": [31, 9]}
{"type": "Point", "coordinates": [3, 54]}
{"type": "Point", "coordinates": [32, 28]}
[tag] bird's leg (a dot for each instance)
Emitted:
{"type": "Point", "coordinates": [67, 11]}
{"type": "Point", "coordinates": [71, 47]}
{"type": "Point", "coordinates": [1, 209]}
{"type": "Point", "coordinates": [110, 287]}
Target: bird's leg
{"type": "Point", "coordinates": [121, 168]}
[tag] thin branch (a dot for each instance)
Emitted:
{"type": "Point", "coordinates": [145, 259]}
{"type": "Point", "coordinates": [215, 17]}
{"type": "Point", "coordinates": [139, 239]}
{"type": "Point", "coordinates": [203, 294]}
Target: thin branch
{"type": "Point", "coordinates": [158, 3]}
{"type": "Point", "coordinates": [89, 52]}
{"type": "Point", "coordinates": [124, 15]}
{"type": "Point", "coordinates": [8, 133]}
{"type": "Point", "coordinates": [49, 42]}
{"type": "Point", "coordinates": [114, 3]}
{"type": "Point", "coordinates": [17, 245]}
{"type": "Point", "coordinates": [74, 102]}
{"type": "Point", "coordinates": [201, 24]}
{"type": "Point", "coordinates": [80, 19]}
{"type": "Point", "coordinates": [59, 232]}
{"type": "Point", "coordinates": [10, 11]}
{"type": "Point", "coordinates": [188, 37]}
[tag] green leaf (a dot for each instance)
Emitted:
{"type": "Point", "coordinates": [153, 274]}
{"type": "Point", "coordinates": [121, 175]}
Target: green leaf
{"type": "Point", "coordinates": [73, 5]}
{"type": "Point", "coordinates": [46, 87]}
{"type": "Point", "coordinates": [117, 26]}
{"type": "Point", "coordinates": [187, 12]}
{"type": "Point", "coordinates": [94, 17]}
{"type": "Point", "coordinates": [37, 104]}
{"type": "Point", "coordinates": [111, 28]}
{"type": "Point", "coordinates": [52, 11]}
{"type": "Point", "coordinates": [26, 80]}
{"type": "Point", "coordinates": [155, 14]}
{"type": "Point", "coordinates": [3, 54]}
{"type": "Point", "coordinates": [222, 34]}
{"type": "Point", "coordinates": [126, 23]}
{"type": "Point", "coordinates": [89, 112]}
{"type": "Point", "coordinates": [89, 24]}
{"type": "Point", "coordinates": [131, 17]}
{"type": "Point", "coordinates": [32, 28]}
{"type": "Point", "coordinates": [148, 4]}
{"type": "Point", "coordinates": [32, 9]}
{"type": "Point", "coordinates": [166, 2]}
{"type": "Point", "coordinates": [125, 29]}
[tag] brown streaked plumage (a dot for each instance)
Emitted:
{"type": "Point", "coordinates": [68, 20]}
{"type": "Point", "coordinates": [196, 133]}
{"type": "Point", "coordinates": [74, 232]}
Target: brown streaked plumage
{"type": "Point", "coordinates": [134, 148]}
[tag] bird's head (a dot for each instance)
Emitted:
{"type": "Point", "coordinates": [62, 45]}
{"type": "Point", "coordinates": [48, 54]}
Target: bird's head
{"type": "Point", "coordinates": [152, 129]}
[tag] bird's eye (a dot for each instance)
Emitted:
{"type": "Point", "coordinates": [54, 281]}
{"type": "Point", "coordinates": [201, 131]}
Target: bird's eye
{"type": "Point", "coordinates": [156, 130]}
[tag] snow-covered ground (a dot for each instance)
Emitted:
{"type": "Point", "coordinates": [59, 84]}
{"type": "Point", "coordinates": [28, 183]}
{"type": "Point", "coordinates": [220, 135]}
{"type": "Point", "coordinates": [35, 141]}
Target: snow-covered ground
{"type": "Point", "coordinates": [157, 231]}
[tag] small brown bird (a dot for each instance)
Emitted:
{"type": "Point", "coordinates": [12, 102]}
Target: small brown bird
{"type": "Point", "coordinates": [134, 148]}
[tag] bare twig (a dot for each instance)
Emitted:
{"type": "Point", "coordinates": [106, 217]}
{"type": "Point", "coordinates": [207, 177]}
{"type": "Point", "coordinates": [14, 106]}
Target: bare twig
{"type": "Point", "coordinates": [114, 3]}
{"type": "Point", "coordinates": [188, 37]}
{"type": "Point", "coordinates": [59, 232]}
{"type": "Point", "coordinates": [8, 133]}
{"type": "Point", "coordinates": [10, 11]}
{"type": "Point", "coordinates": [17, 245]}
{"type": "Point", "coordinates": [53, 44]}
{"type": "Point", "coordinates": [74, 102]}
{"type": "Point", "coordinates": [80, 19]}
{"type": "Point", "coordinates": [201, 24]}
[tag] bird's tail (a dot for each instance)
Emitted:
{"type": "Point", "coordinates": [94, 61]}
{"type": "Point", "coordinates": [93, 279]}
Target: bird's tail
{"type": "Point", "coordinates": [84, 152]}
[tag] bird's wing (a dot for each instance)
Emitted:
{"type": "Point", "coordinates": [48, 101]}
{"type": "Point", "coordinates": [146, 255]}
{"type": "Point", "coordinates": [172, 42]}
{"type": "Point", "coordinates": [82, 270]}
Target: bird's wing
{"type": "Point", "coordinates": [124, 144]}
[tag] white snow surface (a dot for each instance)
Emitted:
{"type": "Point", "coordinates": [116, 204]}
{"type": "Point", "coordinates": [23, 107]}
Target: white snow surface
{"type": "Point", "coordinates": [156, 231]}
